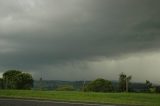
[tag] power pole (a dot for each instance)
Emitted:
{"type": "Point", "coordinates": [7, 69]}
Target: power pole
{"type": "Point", "coordinates": [84, 82]}
{"type": "Point", "coordinates": [41, 81]}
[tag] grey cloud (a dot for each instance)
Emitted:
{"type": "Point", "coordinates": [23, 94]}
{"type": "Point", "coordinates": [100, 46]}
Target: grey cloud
{"type": "Point", "coordinates": [37, 33]}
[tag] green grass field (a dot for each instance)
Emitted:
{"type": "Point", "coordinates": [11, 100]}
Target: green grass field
{"type": "Point", "coordinates": [111, 98]}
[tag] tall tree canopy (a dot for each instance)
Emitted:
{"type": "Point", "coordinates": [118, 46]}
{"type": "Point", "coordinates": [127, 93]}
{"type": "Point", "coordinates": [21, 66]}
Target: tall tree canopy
{"type": "Point", "coordinates": [15, 79]}
{"type": "Point", "coordinates": [24, 81]}
{"type": "Point", "coordinates": [10, 78]}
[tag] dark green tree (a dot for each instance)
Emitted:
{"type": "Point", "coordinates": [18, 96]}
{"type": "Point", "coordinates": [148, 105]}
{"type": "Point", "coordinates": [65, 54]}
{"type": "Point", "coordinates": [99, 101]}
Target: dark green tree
{"type": "Point", "coordinates": [24, 81]}
{"type": "Point", "coordinates": [15, 79]}
{"type": "Point", "coordinates": [99, 85]}
{"type": "Point", "coordinates": [1, 83]}
{"type": "Point", "coordinates": [9, 78]}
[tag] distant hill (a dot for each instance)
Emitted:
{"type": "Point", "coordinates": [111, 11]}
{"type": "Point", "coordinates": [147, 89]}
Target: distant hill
{"type": "Point", "coordinates": [78, 85]}
{"type": "Point", "coordinates": [53, 84]}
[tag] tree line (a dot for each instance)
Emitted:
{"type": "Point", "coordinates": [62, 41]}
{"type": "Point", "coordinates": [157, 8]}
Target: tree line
{"type": "Point", "coordinates": [15, 79]}
{"type": "Point", "coordinates": [124, 85]}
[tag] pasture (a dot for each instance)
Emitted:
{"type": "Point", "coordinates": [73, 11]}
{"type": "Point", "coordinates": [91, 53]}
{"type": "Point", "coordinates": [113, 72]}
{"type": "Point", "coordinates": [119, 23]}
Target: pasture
{"type": "Point", "coordinates": [146, 99]}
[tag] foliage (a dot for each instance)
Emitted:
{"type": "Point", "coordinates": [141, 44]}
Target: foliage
{"type": "Point", "coordinates": [15, 79]}
{"type": "Point", "coordinates": [157, 89]}
{"type": "Point", "coordinates": [9, 78]}
{"type": "Point", "coordinates": [124, 81]}
{"type": "Point", "coordinates": [151, 88]}
{"type": "Point", "coordinates": [1, 83]}
{"type": "Point", "coordinates": [99, 85]}
{"type": "Point", "coordinates": [65, 88]}
{"type": "Point", "coordinates": [148, 84]}
{"type": "Point", "coordinates": [24, 81]}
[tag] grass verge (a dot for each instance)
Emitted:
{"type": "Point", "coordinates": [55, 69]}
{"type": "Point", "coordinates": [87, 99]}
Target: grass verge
{"type": "Point", "coordinates": [87, 97]}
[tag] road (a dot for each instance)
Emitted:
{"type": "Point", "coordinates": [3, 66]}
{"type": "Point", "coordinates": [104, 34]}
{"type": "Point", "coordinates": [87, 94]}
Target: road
{"type": "Point", "coordinates": [21, 102]}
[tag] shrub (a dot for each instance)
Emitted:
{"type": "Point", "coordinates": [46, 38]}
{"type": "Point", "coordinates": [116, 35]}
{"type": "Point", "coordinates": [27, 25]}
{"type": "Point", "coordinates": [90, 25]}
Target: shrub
{"type": "Point", "coordinates": [99, 85]}
{"type": "Point", "coordinates": [65, 88]}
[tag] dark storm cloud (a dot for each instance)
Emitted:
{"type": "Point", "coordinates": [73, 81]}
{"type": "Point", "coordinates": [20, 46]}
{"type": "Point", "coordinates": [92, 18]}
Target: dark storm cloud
{"type": "Point", "coordinates": [34, 33]}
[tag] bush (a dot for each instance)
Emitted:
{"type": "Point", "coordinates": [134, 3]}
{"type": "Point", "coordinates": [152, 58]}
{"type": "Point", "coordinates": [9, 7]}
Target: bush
{"type": "Point", "coordinates": [152, 90]}
{"type": "Point", "coordinates": [65, 88]}
{"type": "Point", "coordinates": [99, 85]}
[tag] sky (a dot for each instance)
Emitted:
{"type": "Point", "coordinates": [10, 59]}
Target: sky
{"type": "Point", "coordinates": [81, 39]}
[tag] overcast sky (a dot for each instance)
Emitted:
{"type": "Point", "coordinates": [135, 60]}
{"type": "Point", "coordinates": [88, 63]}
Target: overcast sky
{"type": "Point", "coordinates": [81, 39]}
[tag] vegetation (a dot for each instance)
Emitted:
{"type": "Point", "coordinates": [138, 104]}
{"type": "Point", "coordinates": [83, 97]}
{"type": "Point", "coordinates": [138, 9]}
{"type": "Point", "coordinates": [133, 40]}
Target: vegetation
{"type": "Point", "coordinates": [149, 84]}
{"type": "Point", "coordinates": [124, 82]}
{"type": "Point", "coordinates": [14, 79]}
{"type": "Point", "coordinates": [151, 88]}
{"type": "Point", "coordinates": [1, 83]}
{"type": "Point", "coordinates": [24, 81]}
{"type": "Point", "coordinates": [147, 99]}
{"type": "Point", "coordinates": [65, 88]}
{"type": "Point", "coordinates": [99, 85]}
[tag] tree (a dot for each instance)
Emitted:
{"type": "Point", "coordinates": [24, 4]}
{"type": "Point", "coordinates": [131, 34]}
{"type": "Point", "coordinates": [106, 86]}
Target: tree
{"type": "Point", "coordinates": [9, 78]}
{"type": "Point", "coordinates": [1, 84]}
{"type": "Point", "coordinates": [15, 79]}
{"type": "Point", "coordinates": [150, 87]}
{"type": "Point", "coordinates": [124, 82]}
{"type": "Point", "coordinates": [99, 85]}
{"type": "Point", "coordinates": [24, 81]}
{"type": "Point", "coordinates": [148, 84]}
